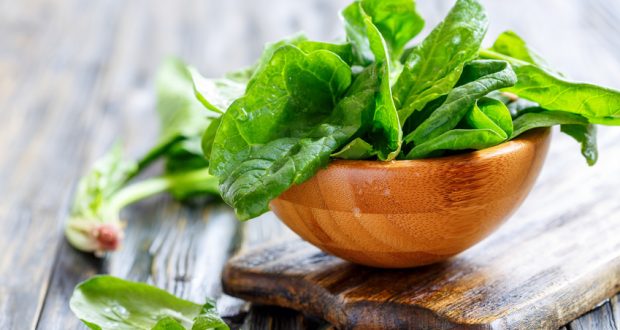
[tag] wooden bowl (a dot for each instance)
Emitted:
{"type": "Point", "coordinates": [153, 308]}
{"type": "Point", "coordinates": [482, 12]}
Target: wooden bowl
{"type": "Point", "coordinates": [413, 212]}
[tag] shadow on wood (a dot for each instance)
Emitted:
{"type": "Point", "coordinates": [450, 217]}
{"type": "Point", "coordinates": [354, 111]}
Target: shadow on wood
{"type": "Point", "coordinates": [480, 289]}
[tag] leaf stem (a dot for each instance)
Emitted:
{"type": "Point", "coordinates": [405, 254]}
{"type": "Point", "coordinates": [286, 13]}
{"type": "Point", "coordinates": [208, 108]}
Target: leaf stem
{"type": "Point", "coordinates": [199, 180]}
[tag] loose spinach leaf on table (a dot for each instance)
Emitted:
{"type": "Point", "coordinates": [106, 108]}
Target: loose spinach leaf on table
{"type": "Point", "coordinates": [179, 112]}
{"type": "Point", "coordinates": [295, 113]}
{"type": "Point", "coordinates": [434, 66]}
{"type": "Point", "coordinates": [182, 118]}
{"type": "Point", "coordinates": [95, 225]}
{"type": "Point", "coordinates": [106, 302]}
{"type": "Point", "coordinates": [479, 78]}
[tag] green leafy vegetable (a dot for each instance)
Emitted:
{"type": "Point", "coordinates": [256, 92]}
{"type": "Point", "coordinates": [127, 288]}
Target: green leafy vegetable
{"type": "Point", "coordinates": [478, 79]}
{"type": "Point", "coordinates": [538, 117]}
{"type": "Point", "coordinates": [489, 124]}
{"type": "Point", "coordinates": [217, 94]}
{"type": "Point", "coordinates": [434, 66]}
{"type": "Point", "coordinates": [277, 122]}
{"type": "Point", "coordinates": [386, 132]}
{"type": "Point", "coordinates": [106, 302]}
{"type": "Point", "coordinates": [94, 224]}
{"type": "Point", "coordinates": [558, 94]}
{"type": "Point", "coordinates": [510, 44]}
{"type": "Point", "coordinates": [397, 21]}
{"type": "Point", "coordinates": [457, 139]}
{"type": "Point", "coordinates": [586, 136]}
{"type": "Point", "coordinates": [295, 113]}
{"type": "Point", "coordinates": [491, 114]}
{"type": "Point", "coordinates": [356, 149]}
{"type": "Point", "coordinates": [179, 112]}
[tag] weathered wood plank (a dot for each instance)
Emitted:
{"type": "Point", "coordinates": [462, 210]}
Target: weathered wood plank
{"type": "Point", "coordinates": [275, 318]}
{"type": "Point", "coordinates": [600, 318]}
{"type": "Point", "coordinates": [615, 308]}
{"type": "Point", "coordinates": [48, 97]}
{"type": "Point", "coordinates": [543, 281]}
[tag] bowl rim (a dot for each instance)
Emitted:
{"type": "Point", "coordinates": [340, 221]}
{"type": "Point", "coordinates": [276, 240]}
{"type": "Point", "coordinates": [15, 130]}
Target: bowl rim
{"type": "Point", "coordinates": [527, 138]}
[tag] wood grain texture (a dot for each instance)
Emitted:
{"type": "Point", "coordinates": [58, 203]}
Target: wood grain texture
{"type": "Point", "coordinates": [478, 289]}
{"type": "Point", "coordinates": [411, 213]}
{"type": "Point", "coordinates": [600, 318]}
{"type": "Point", "coordinates": [77, 75]}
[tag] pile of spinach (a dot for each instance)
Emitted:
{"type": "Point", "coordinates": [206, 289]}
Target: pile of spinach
{"type": "Point", "coordinates": [371, 97]}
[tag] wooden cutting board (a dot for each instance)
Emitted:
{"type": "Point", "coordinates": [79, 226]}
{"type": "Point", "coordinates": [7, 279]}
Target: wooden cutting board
{"type": "Point", "coordinates": [556, 259]}
{"type": "Point", "coordinates": [536, 277]}
{"type": "Point", "coordinates": [530, 289]}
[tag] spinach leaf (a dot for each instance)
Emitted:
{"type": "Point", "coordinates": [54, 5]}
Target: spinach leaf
{"type": "Point", "coordinates": [555, 93]}
{"type": "Point", "coordinates": [216, 94]}
{"type": "Point", "coordinates": [356, 149]}
{"type": "Point", "coordinates": [386, 132]}
{"type": "Point", "coordinates": [295, 113]}
{"type": "Point", "coordinates": [182, 117]}
{"type": "Point", "coordinates": [396, 20]}
{"type": "Point", "coordinates": [106, 302]}
{"type": "Point", "coordinates": [168, 323]}
{"type": "Point", "coordinates": [345, 51]}
{"type": "Point", "coordinates": [479, 78]}
{"type": "Point", "coordinates": [457, 139]}
{"type": "Point", "coordinates": [572, 124]}
{"type": "Point", "coordinates": [586, 135]}
{"type": "Point", "coordinates": [179, 112]}
{"type": "Point", "coordinates": [510, 44]}
{"type": "Point", "coordinates": [435, 65]}
{"type": "Point", "coordinates": [209, 136]}
{"type": "Point", "coordinates": [538, 117]}
{"type": "Point", "coordinates": [94, 224]}
{"type": "Point", "coordinates": [91, 213]}
{"type": "Point", "coordinates": [491, 114]}
{"type": "Point", "coordinates": [271, 48]}
{"type": "Point", "coordinates": [490, 124]}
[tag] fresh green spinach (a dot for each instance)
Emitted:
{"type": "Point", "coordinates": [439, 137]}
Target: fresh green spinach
{"type": "Point", "coordinates": [386, 132]}
{"type": "Point", "coordinates": [434, 66]}
{"type": "Point", "coordinates": [479, 78]}
{"type": "Point", "coordinates": [442, 94]}
{"type": "Point", "coordinates": [106, 302]}
{"type": "Point", "coordinates": [94, 224]}
{"type": "Point", "coordinates": [277, 122]}
{"type": "Point", "coordinates": [397, 21]}
{"type": "Point", "coordinates": [294, 115]}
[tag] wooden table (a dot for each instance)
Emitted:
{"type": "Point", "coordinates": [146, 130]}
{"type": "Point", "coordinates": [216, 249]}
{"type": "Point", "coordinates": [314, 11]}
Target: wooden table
{"type": "Point", "coordinates": [77, 75]}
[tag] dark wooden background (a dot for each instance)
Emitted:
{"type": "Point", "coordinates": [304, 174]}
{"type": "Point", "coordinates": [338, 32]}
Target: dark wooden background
{"type": "Point", "coordinates": [77, 74]}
